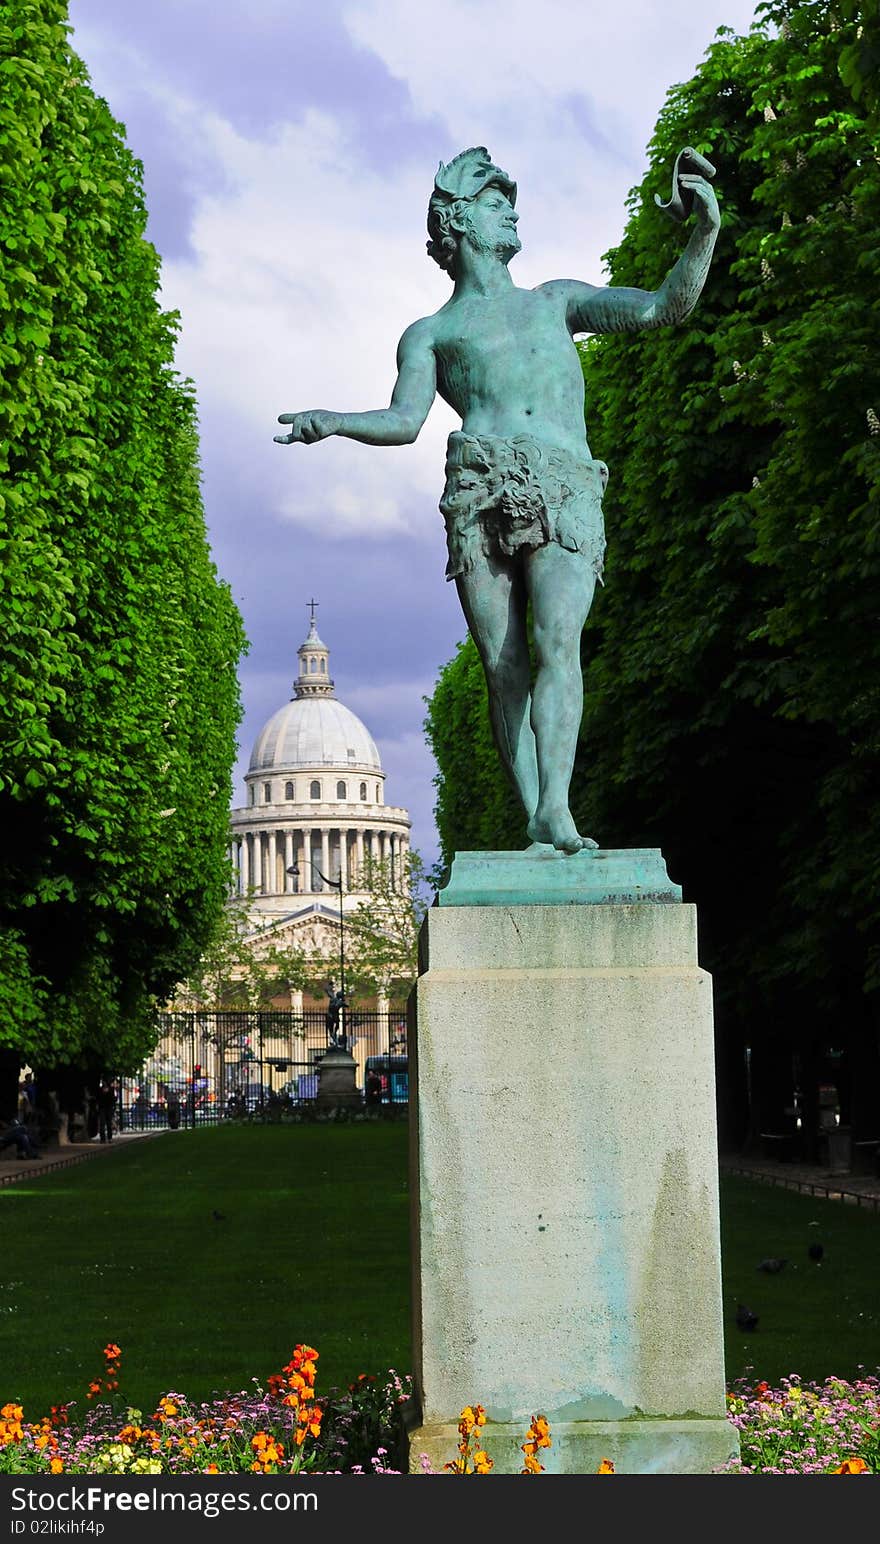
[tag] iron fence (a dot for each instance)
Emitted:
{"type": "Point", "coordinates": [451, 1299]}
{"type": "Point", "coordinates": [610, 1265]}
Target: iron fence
{"type": "Point", "coordinates": [210, 1067]}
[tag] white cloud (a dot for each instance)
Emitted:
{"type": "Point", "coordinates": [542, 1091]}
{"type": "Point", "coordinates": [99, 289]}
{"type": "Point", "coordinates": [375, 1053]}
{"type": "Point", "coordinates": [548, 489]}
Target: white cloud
{"type": "Point", "coordinates": [565, 99]}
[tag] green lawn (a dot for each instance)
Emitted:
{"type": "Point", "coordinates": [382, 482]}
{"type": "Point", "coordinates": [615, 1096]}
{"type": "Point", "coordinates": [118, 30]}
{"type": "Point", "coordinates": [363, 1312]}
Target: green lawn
{"type": "Point", "coordinates": [313, 1246]}
{"type": "Point", "coordinates": [812, 1319]}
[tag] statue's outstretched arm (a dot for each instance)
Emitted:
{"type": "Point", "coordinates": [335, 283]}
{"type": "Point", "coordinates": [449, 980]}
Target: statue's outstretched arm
{"type": "Point", "coordinates": [398, 424]}
{"type": "Point", "coordinates": [593, 308]}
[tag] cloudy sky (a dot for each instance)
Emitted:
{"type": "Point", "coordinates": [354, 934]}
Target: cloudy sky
{"type": "Point", "coordinates": [289, 149]}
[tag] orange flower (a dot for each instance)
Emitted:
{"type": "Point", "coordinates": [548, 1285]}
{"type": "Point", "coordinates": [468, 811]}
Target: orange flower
{"type": "Point", "coordinates": [471, 1417]}
{"type": "Point", "coordinates": [537, 1436]}
{"type": "Point", "coordinates": [56, 1466]}
{"type": "Point", "coordinates": [482, 1462]}
{"type": "Point", "coordinates": [851, 1466]}
{"type": "Point", "coordinates": [541, 1429]}
{"type": "Point", "coordinates": [606, 1467]}
{"type": "Point", "coordinates": [269, 1451]}
{"type": "Point", "coordinates": [11, 1429]}
{"type": "Point", "coordinates": [112, 1352]}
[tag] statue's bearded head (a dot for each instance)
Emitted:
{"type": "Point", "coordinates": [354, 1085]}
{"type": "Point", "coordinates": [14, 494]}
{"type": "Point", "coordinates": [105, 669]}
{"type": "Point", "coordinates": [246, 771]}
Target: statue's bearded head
{"type": "Point", "coordinates": [451, 213]}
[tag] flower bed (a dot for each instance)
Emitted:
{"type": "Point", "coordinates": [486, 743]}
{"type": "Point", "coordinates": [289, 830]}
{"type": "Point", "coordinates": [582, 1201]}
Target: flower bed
{"type": "Point", "coordinates": [806, 1428]}
{"type": "Point", "coordinates": [286, 1428]}
{"type": "Point", "coordinates": [280, 1429]}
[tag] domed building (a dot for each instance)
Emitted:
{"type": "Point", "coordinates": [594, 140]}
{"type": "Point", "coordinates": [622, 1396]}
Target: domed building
{"type": "Point", "coordinates": [315, 811]}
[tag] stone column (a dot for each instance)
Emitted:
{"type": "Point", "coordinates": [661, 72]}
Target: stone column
{"type": "Point", "coordinates": [288, 862]}
{"type": "Point", "coordinates": [343, 857]}
{"type": "Point", "coordinates": [245, 864]}
{"type": "Point", "coordinates": [273, 862]}
{"type": "Point", "coordinates": [325, 851]}
{"type": "Point", "coordinates": [359, 844]}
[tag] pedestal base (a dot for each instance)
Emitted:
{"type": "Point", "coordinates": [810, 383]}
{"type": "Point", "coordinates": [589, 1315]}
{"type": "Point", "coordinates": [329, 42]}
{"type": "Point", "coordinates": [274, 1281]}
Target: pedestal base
{"type": "Point", "coordinates": [578, 1447]}
{"type": "Point", "coordinates": [565, 1187]}
{"type": "Point", "coordinates": [337, 1077]}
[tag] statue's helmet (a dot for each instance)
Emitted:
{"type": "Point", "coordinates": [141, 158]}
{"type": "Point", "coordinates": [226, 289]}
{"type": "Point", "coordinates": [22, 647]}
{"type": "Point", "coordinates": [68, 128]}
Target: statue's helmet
{"type": "Point", "coordinates": [456, 185]}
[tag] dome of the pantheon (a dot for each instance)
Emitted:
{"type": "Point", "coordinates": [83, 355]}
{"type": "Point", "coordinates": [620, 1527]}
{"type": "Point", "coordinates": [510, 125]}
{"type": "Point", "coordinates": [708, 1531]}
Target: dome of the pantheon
{"type": "Point", "coordinates": [314, 731]}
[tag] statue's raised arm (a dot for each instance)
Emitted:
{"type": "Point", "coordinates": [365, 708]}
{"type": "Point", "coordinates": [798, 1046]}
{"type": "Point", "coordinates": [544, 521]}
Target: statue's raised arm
{"type": "Point", "coordinates": [597, 309]}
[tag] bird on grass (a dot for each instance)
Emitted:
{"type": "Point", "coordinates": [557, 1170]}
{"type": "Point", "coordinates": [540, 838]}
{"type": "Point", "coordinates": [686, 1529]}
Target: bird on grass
{"type": "Point", "coordinates": [772, 1267]}
{"type": "Point", "coordinates": [745, 1319]}
{"type": "Point", "coordinates": [815, 1252]}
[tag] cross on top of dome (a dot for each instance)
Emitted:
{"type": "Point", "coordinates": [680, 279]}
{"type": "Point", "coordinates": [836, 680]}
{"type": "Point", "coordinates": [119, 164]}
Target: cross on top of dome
{"type": "Point", "coordinates": [314, 664]}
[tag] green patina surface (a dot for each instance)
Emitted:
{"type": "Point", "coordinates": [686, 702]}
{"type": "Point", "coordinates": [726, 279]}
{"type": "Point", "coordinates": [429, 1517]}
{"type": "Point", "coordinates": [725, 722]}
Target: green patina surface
{"type": "Point", "coordinates": [541, 876]}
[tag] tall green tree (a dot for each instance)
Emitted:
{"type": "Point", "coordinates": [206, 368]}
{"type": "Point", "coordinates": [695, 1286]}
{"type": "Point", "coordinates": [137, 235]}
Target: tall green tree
{"type": "Point", "coordinates": [732, 663]}
{"type": "Point", "coordinates": [118, 644]}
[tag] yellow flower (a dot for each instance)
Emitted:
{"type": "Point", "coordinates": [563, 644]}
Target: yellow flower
{"type": "Point", "coordinates": [605, 1467]}
{"type": "Point", "coordinates": [56, 1466]}
{"type": "Point", "coordinates": [851, 1466]}
{"type": "Point", "coordinates": [482, 1462]}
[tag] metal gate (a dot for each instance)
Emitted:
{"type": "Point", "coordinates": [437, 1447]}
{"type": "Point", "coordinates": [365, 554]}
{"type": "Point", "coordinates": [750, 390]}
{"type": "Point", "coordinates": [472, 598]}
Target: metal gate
{"type": "Point", "coordinates": [209, 1067]}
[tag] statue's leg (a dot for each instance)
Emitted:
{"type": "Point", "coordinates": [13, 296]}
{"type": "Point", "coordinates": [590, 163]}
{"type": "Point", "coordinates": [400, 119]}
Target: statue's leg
{"type": "Point", "coordinates": [493, 599]}
{"type": "Point", "coordinates": [561, 586]}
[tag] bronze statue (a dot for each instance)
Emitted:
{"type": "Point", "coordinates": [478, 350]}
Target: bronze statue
{"type": "Point", "coordinates": [523, 495]}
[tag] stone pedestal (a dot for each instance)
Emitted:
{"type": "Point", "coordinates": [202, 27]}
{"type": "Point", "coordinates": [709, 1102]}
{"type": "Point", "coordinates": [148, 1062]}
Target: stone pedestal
{"type": "Point", "coordinates": [564, 1176]}
{"type": "Point", "coordinates": [337, 1078]}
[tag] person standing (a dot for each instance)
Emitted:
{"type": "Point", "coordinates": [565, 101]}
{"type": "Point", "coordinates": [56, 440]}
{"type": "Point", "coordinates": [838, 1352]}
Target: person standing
{"type": "Point", "coordinates": [106, 1108]}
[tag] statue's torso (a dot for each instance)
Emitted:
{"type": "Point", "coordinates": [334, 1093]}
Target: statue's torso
{"type": "Point", "coordinates": [508, 365]}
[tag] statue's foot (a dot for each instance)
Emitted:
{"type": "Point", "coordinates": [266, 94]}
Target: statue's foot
{"type": "Point", "coordinates": [557, 828]}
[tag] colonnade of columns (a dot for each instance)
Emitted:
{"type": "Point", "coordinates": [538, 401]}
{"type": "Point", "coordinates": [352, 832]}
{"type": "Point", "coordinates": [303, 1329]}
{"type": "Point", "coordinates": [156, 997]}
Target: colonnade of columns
{"type": "Point", "coordinates": [261, 859]}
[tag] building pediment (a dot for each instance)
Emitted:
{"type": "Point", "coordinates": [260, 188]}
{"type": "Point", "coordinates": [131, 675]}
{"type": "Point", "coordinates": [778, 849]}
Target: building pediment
{"type": "Point", "coordinates": [312, 929]}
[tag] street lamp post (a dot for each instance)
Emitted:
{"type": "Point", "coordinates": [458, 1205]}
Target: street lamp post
{"type": "Point", "coordinates": [335, 884]}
